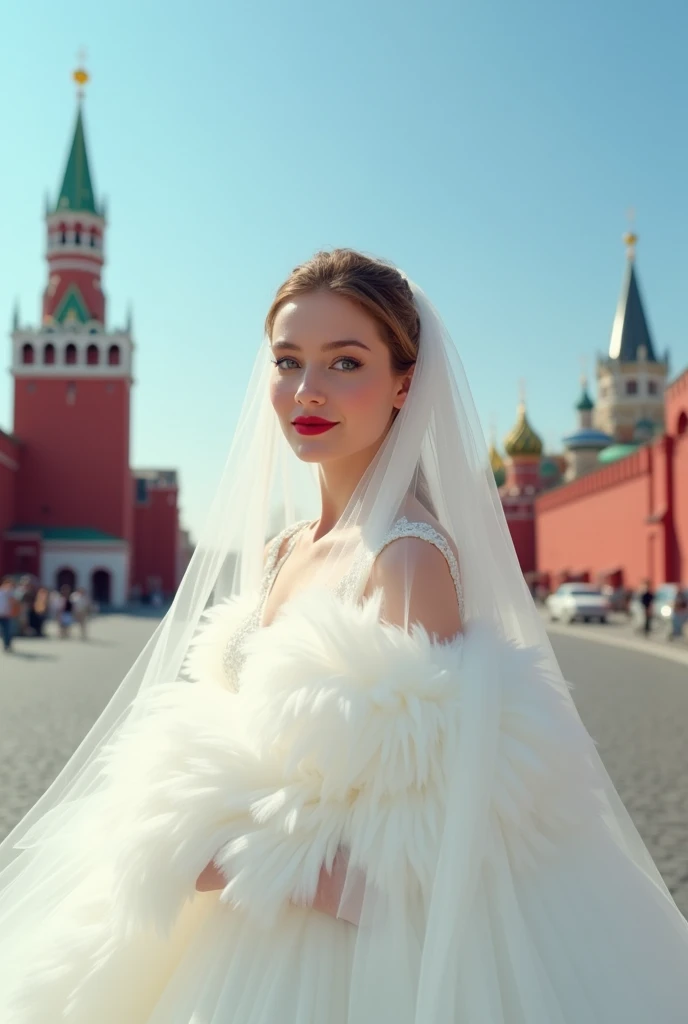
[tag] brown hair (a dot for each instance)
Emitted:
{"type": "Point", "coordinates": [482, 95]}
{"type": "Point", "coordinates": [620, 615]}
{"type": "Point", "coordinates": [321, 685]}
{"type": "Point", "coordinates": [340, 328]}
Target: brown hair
{"type": "Point", "coordinates": [375, 286]}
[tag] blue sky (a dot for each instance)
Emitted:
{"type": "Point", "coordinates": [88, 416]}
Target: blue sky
{"type": "Point", "coordinates": [489, 148]}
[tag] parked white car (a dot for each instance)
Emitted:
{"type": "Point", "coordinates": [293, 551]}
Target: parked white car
{"type": "Point", "coordinates": [578, 601]}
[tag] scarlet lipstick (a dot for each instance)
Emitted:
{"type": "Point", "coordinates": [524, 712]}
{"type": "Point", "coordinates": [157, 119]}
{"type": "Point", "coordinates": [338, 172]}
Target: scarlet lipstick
{"type": "Point", "coordinates": [312, 425]}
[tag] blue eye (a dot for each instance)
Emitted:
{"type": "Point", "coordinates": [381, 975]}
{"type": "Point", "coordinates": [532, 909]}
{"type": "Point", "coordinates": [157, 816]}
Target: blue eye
{"type": "Point", "coordinates": [353, 363]}
{"type": "Point", "coordinates": [281, 363]}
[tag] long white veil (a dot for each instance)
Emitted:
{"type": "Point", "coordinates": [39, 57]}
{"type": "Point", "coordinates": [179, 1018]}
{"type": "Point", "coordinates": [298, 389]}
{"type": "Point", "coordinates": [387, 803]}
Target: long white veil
{"type": "Point", "coordinates": [435, 449]}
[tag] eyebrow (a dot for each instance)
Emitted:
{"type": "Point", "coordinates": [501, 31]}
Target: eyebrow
{"type": "Point", "coordinates": [327, 347]}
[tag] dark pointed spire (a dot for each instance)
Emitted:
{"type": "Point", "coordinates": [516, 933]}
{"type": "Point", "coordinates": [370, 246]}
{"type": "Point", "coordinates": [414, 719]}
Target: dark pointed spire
{"type": "Point", "coordinates": [630, 333]}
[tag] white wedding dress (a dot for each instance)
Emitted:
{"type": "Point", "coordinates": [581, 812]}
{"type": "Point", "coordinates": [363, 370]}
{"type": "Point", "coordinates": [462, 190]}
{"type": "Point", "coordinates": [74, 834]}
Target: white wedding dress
{"type": "Point", "coordinates": [495, 874]}
{"type": "Point", "coordinates": [559, 925]}
{"type": "Point", "coordinates": [218, 965]}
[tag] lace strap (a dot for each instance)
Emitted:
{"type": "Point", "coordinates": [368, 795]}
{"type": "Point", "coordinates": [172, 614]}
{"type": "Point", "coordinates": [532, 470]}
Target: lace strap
{"type": "Point", "coordinates": [423, 531]}
{"type": "Point", "coordinates": [273, 560]}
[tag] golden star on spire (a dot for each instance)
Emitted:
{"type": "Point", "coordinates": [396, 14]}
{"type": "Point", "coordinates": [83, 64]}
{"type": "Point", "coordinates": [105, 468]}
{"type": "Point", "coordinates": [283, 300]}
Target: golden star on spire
{"type": "Point", "coordinates": [81, 75]}
{"type": "Point", "coordinates": [631, 238]}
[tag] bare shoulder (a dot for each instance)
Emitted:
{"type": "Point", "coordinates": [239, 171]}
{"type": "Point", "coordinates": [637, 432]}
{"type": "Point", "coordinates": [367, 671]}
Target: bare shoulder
{"type": "Point", "coordinates": [417, 587]}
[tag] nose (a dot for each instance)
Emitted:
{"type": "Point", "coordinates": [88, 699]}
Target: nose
{"type": "Point", "coordinates": [309, 392]}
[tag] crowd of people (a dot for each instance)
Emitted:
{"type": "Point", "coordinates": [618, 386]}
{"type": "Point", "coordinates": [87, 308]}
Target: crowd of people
{"type": "Point", "coordinates": [26, 607]}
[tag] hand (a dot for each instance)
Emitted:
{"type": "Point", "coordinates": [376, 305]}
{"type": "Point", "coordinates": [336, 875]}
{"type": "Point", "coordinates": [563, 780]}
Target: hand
{"type": "Point", "coordinates": [210, 879]}
{"type": "Point", "coordinates": [338, 897]}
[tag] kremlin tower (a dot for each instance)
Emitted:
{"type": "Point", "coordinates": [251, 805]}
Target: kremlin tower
{"type": "Point", "coordinates": [631, 380]}
{"type": "Point", "coordinates": [74, 506]}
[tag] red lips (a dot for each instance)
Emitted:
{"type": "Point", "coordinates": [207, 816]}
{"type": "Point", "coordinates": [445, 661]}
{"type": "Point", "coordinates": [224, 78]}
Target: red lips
{"type": "Point", "coordinates": [312, 425]}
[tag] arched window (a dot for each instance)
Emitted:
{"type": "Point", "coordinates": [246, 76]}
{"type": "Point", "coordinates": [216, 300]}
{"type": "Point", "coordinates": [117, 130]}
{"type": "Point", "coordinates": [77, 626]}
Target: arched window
{"type": "Point", "coordinates": [49, 354]}
{"type": "Point", "coordinates": [63, 234]}
{"type": "Point", "coordinates": [65, 578]}
{"type": "Point", "coordinates": [631, 387]}
{"type": "Point", "coordinates": [92, 355]}
{"type": "Point", "coordinates": [682, 426]}
{"type": "Point", "coordinates": [652, 387]}
{"type": "Point", "coordinates": [70, 355]}
{"type": "Point", "coordinates": [77, 234]}
{"type": "Point", "coordinates": [93, 238]}
{"type": "Point", "coordinates": [101, 586]}
{"type": "Point", "coordinates": [27, 354]}
{"type": "Point", "coordinates": [113, 355]}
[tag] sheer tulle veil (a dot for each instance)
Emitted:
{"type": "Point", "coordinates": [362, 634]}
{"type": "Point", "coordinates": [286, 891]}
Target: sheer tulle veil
{"type": "Point", "coordinates": [435, 444]}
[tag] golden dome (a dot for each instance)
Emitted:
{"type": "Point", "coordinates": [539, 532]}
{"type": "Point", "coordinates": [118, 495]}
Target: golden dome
{"type": "Point", "coordinates": [496, 460]}
{"type": "Point", "coordinates": [522, 440]}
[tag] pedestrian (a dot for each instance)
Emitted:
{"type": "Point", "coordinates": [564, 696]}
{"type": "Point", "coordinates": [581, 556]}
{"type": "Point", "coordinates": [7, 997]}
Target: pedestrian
{"type": "Point", "coordinates": [81, 608]}
{"type": "Point", "coordinates": [54, 605]}
{"type": "Point", "coordinates": [8, 612]}
{"type": "Point", "coordinates": [39, 612]}
{"type": "Point", "coordinates": [679, 615]}
{"type": "Point", "coordinates": [647, 600]}
{"type": "Point", "coordinates": [66, 614]}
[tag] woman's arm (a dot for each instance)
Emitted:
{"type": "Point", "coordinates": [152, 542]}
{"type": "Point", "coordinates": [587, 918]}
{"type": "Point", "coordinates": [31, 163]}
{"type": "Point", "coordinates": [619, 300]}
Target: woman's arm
{"type": "Point", "coordinates": [417, 588]}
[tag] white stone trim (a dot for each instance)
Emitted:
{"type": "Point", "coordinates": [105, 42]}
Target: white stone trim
{"type": "Point", "coordinates": [87, 264]}
{"type": "Point", "coordinates": [91, 220]}
{"type": "Point", "coordinates": [83, 558]}
{"type": "Point", "coordinates": [76, 335]}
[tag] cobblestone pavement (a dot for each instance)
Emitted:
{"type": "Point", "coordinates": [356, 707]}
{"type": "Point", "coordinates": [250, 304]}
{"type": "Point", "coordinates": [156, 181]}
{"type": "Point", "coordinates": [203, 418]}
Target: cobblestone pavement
{"type": "Point", "coordinates": [634, 704]}
{"type": "Point", "coordinates": [51, 692]}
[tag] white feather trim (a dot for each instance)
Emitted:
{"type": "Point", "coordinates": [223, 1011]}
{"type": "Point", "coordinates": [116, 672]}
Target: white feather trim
{"type": "Point", "coordinates": [343, 733]}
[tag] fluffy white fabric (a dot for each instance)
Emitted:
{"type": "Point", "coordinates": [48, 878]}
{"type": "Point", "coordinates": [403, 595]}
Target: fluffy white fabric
{"type": "Point", "coordinates": [342, 734]}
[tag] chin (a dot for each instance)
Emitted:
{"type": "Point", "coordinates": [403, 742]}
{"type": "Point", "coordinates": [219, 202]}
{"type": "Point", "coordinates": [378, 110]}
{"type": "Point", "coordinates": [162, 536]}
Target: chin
{"type": "Point", "coordinates": [308, 450]}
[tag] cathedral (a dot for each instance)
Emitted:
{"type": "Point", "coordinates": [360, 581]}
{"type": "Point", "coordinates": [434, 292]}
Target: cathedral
{"type": "Point", "coordinates": [613, 506]}
{"type": "Point", "coordinates": [72, 510]}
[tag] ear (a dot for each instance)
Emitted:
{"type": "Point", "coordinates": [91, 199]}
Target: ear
{"type": "Point", "coordinates": [403, 389]}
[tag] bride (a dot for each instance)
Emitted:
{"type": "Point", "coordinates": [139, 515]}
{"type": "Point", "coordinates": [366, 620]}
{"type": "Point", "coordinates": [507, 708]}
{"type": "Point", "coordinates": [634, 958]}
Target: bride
{"type": "Point", "coordinates": [345, 783]}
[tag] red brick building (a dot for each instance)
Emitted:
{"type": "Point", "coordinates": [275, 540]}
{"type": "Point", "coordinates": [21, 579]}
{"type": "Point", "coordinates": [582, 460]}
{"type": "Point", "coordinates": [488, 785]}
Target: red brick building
{"type": "Point", "coordinates": [71, 508]}
{"type": "Point", "coordinates": [627, 519]}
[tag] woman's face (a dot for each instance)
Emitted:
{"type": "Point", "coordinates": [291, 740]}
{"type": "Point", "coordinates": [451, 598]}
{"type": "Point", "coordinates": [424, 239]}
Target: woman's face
{"type": "Point", "coordinates": [332, 386]}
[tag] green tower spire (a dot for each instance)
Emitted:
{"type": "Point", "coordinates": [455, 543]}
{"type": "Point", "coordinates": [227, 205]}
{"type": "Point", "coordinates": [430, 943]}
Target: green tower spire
{"type": "Point", "coordinates": [76, 193]}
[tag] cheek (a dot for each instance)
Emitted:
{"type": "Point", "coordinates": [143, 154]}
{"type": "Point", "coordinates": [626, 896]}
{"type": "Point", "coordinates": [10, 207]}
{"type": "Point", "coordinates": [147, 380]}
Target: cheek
{"type": "Point", "coordinates": [367, 395]}
{"type": "Point", "coordinates": [281, 394]}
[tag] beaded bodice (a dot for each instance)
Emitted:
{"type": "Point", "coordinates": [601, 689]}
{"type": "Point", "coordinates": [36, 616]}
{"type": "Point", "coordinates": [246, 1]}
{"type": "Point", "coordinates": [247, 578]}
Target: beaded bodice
{"type": "Point", "coordinates": [349, 588]}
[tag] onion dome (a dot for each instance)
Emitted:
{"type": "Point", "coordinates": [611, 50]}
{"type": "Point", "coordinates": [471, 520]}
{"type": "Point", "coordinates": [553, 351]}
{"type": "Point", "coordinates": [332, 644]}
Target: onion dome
{"type": "Point", "coordinates": [585, 402]}
{"type": "Point", "coordinates": [587, 438]}
{"type": "Point", "coordinates": [615, 452]}
{"type": "Point", "coordinates": [522, 440]}
{"type": "Point", "coordinates": [497, 464]}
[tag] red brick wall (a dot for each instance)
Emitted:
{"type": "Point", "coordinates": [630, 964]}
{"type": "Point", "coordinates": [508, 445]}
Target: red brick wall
{"type": "Point", "coordinates": [600, 522]}
{"type": "Point", "coordinates": [9, 463]}
{"type": "Point", "coordinates": [156, 539]}
{"type": "Point", "coordinates": [677, 425]}
{"type": "Point", "coordinates": [75, 455]}
{"type": "Point", "coordinates": [681, 505]}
